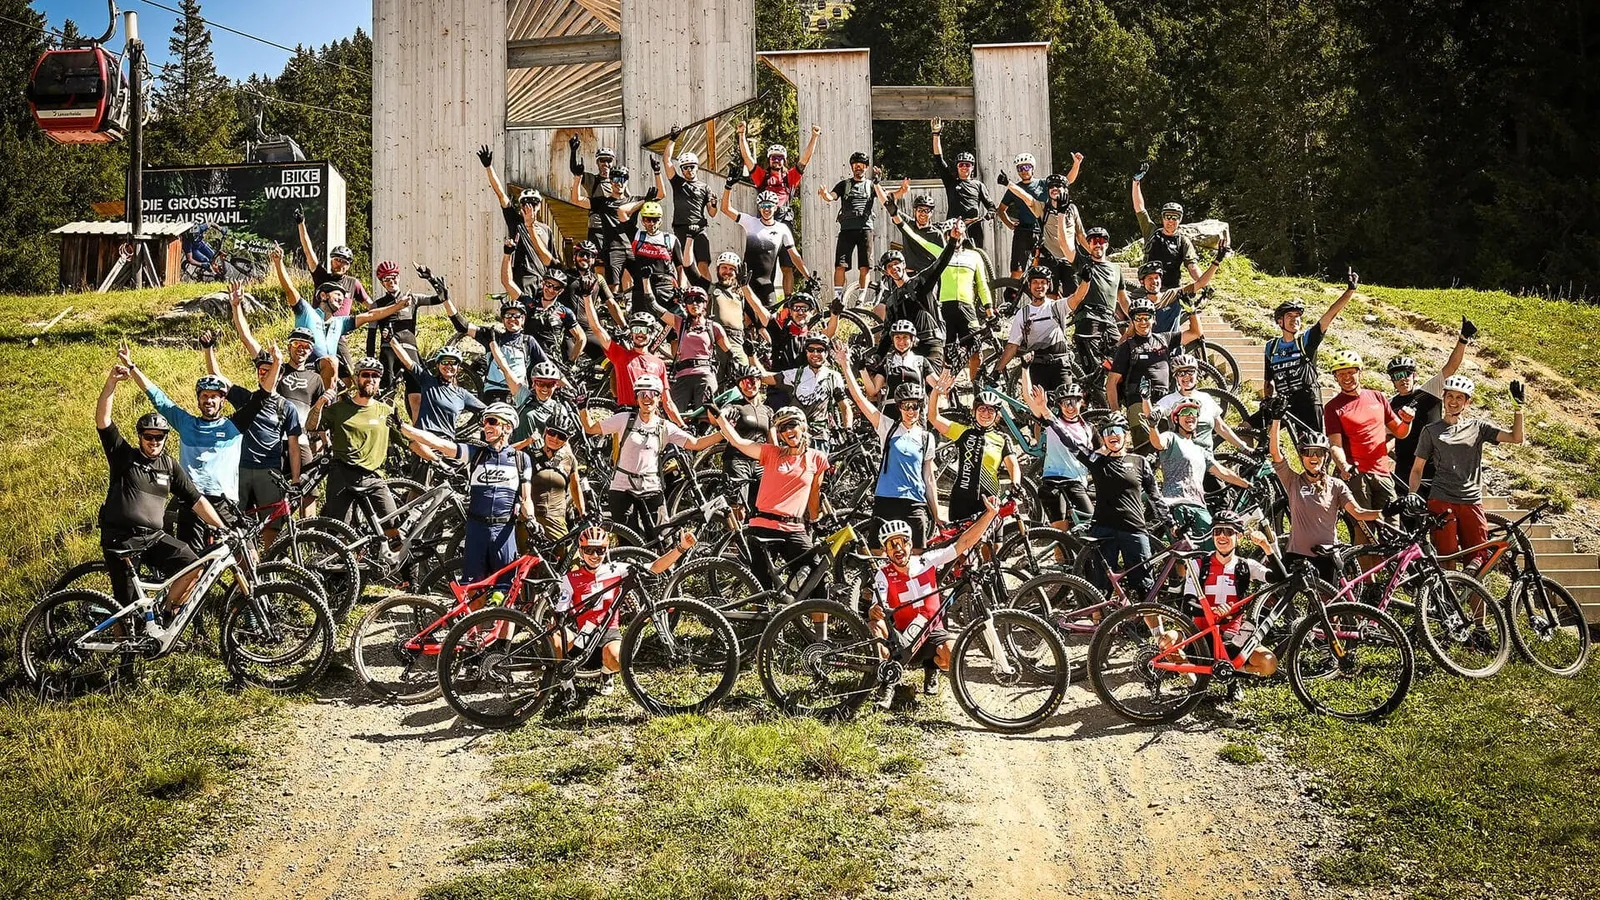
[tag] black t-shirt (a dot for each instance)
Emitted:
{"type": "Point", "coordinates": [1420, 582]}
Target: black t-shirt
{"type": "Point", "coordinates": [1138, 358]}
{"type": "Point", "coordinates": [1099, 306]}
{"type": "Point", "coordinates": [402, 324]}
{"type": "Point", "coordinates": [856, 200]}
{"type": "Point", "coordinates": [749, 421]}
{"type": "Point", "coordinates": [918, 301]}
{"type": "Point", "coordinates": [300, 387]}
{"type": "Point", "coordinates": [1428, 409]}
{"type": "Point", "coordinates": [689, 199]}
{"type": "Point", "coordinates": [1292, 366]}
{"type": "Point", "coordinates": [525, 261]}
{"type": "Point", "coordinates": [1121, 485]}
{"type": "Point", "coordinates": [787, 351]}
{"type": "Point", "coordinates": [549, 326]}
{"type": "Point", "coordinates": [967, 199]}
{"type": "Point", "coordinates": [136, 496]}
{"type": "Point", "coordinates": [1171, 250]}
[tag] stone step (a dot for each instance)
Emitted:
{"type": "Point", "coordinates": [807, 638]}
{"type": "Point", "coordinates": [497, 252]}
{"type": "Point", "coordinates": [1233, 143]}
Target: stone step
{"type": "Point", "coordinates": [1544, 545]}
{"type": "Point", "coordinates": [1580, 562]}
{"type": "Point", "coordinates": [1572, 578]}
{"type": "Point", "coordinates": [1500, 504]}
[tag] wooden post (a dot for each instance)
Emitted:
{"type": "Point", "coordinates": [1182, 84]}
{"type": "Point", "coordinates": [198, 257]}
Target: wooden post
{"type": "Point", "coordinates": [1011, 90]}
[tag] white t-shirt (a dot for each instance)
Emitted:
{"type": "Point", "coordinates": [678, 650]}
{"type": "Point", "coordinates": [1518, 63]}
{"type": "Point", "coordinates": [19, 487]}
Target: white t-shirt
{"type": "Point", "coordinates": [641, 452]}
{"type": "Point", "coordinates": [1042, 324]}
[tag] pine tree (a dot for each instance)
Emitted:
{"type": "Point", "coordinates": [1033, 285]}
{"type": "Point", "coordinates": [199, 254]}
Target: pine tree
{"type": "Point", "coordinates": [196, 120]}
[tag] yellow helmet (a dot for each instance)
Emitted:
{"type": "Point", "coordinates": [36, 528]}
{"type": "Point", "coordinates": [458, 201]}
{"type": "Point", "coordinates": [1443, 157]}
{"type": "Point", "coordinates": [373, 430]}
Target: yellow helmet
{"type": "Point", "coordinates": [651, 210]}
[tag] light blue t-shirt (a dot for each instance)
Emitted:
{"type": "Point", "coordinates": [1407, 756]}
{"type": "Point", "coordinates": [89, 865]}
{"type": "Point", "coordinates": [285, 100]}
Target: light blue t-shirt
{"type": "Point", "coordinates": [1060, 462]}
{"type": "Point", "coordinates": [209, 449]}
{"type": "Point", "coordinates": [901, 475]}
{"type": "Point", "coordinates": [325, 332]}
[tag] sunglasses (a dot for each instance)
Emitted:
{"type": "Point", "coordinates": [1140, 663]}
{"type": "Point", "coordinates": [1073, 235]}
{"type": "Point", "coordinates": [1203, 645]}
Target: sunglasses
{"type": "Point", "coordinates": [964, 163]}
{"type": "Point", "coordinates": [512, 314]}
{"type": "Point", "coordinates": [1189, 414]}
{"type": "Point", "coordinates": [640, 331]}
{"type": "Point", "coordinates": [910, 404]}
{"type": "Point", "coordinates": [152, 436]}
{"type": "Point", "coordinates": [1099, 240]}
{"type": "Point", "coordinates": [552, 285]}
{"type": "Point", "coordinates": [1172, 217]}
{"type": "Point", "coordinates": [496, 421]}
{"type": "Point", "coordinates": [689, 167]}
{"type": "Point", "coordinates": [364, 376]}
{"type": "Point", "coordinates": [1071, 401]}
{"type": "Point", "coordinates": [582, 254]}
{"type": "Point", "coordinates": [1143, 317]}
{"type": "Point", "coordinates": [896, 541]}
{"type": "Point", "coordinates": [1313, 454]}
{"type": "Point", "coordinates": [1224, 532]}
{"type": "Point", "coordinates": [651, 218]}
{"type": "Point", "coordinates": [546, 382]}
{"type": "Point", "coordinates": [766, 206]}
{"type": "Point", "coordinates": [647, 393]}
{"type": "Point", "coordinates": [816, 349]}
{"type": "Point", "coordinates": [1114, 432]}
{"type": "Point", "coordinates": [530, 203]}
{"type": "Point", "coordinates": [1192, 373]}
{"type": "Point", "coordinates": [449, 362]}
{"type": "Point", "coordinates": [555, 436]}
{"type": "Point", "coordinates": [302, 343]}
{"type": "Point", "coordinates": [1397, 376]}
{"type": "Point", "coordinates": [789, 426]}
{"type": "Point", "coordinates": [750, 378]}
{"type": "Point", "coordinates": [1024, 168]}
{"type": "Point", "coordinates": [591, 551]}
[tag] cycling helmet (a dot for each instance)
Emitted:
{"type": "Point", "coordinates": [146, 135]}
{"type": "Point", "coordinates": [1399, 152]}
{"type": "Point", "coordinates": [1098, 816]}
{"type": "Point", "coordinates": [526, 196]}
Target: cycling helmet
{"type": "Point", "coordinates": [328, 287]}
{"type": "Point", "coordinates": [1040, 272]}
{"type": "Point", "coordinates": [152, 421]}
{"type": "Point", "coordinates": [1312, 440]}
{"type": "Point", "coordinates": [448, 351]}
{"type": "Point", "coordinates": [909, 390]}
{"type": "Point", "coordinates": [262, 358]}
{"type": "Point", "coordinates": [686, 159]}
{"type": "Point", "coordinates": [1141, 306]}
{"type": "Point", "coordinates": [1227, 518]}
{"type": "Point", "coordinates": [369, 364]}
{"type": "Point", "coordinates": [545, 371]}
{"type": "Point", "coordinates": [1149, 267]}
{"type": "Point", "coordinates": [586, 248]}
{"type": "Point", "coordinates": [651, 210]}
{"type": "Point", "coordinates": [505, 412]}
{"type": "Point", "coordinates": [786, 415]}
{"type": "Point", "coordinates": [814, 339]}
{"type": "Point", "coordinates": [558, 276]}
{"type": "Point", "coordinates": [1413, 507]}
{"type": "Point", "coordinates": [1066, 392]}
{"type": "Point", "coordinates": [511, 304]}
{"type": "Point", "coordinates": [1097, 234]}
{"type": "Point", "coordinates": [894, 528]}
{"type": "Point", "coordinates": [986, 398]}
{"type": "Point", "coordinates": [965, 157]}
{"type": "Point", "coordinates": [530, 197]}
{"type": "Point", "coordinates": [799, 298]}
{"type": "Point", "coordinates": [767, 198]}
{"type": "Point", "coordinates": [642, 320]}
{"type": "Point", "coordinates": [1115, 420]}
{"type": "Point", "coordinates": [302, 334]}
{"type": "Point", "coordinates": [1460, 383]}
{"type": "Point", "coordinates": [1056, 180]}
{"type": "Point", "coordinates": [922, 201]}
{"type": "Point", "coordinates": [388, 269]}
{"type": "Point", "coordinates": [1187, 403]}
{"type": "Point", "coordinates": [1024, 159]}
{"type": "Point", "coordinates": [1288, 306]}
{"type": "Point", "coordinates": [1173, 208]}
{"type": "Point", "coordinates": [1184, 361]}
{"type": "Point", "coordinates": [1401, 364]}
{"type": "Point", "coordinates": [776, 150]}
{"type": "Point", "coordinates": [594, 536]}
{"type": "Point", "coordinates": [695, 295]}
{"type": "Point", "coordinates": [890, 256]}
{"type": "Point", "coordinates": [903, 326]}
{"type": "Point", "coordinates": [741, 372]}
{"type": "Point", "coordinates": [211, 383]}
{"type": "Point", "coordinates": [342, 252]}
{"type": "Point", "coordinates": [729, 258]}
{"type": "Point", "coordinates": [560, 425]}
{"type": "Point", "coordinates": [604, 153]}
{"type": "Point", "coordinates": [647, 383]}
{"type": "Point", "coordinates": [859, 157]}
{"type": "Point", "coordinates": [1344, 359]}
{"type": "Point", "coordinates": [619, 174]}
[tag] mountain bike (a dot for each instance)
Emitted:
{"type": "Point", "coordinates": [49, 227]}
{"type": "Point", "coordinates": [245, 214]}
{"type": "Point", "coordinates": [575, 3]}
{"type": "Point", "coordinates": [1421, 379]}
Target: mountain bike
{"type": "Point", "coordinates": [428, 523]}
{"type": "Point", "coordinates": [274, 634]}
{"type": "Point", "coordinates": [1547, 623]}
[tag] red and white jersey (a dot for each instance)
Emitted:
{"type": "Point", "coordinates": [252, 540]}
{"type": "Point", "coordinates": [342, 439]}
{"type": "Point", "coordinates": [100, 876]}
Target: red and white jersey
{"type": "Point", "coordinates": [914, 592]}
{"type": "Point", "coordinates": [578, 590]}
{"type": "Point", "coordinates": [1220, 588]}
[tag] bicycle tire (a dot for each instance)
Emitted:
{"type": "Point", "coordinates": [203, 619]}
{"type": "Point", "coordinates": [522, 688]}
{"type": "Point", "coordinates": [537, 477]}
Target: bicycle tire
{"type": "Point", "coordinates": [728, 581]}
{"type": "Point", "coordinates": [339, 528]}
{"type": "Point", "coordinates": [329, 558]}
{"type": "Point", "coordinates": [1455, 644]}
{"type": "Point", "coordinates": [1073, 606]}
{"type": "Point", "coordinates": [1221, 360]}
{"type": "Point", "coordinates": [436, 581]}
{"type": "Point", "coordinates": [1364, 651]}
{"type": "Point", "coordinates": [88, 575]}
{"type": "Point", "coordinates": [1042, 548]}
{"type": "Point", "coordinates": [858, 328]}
{"type": "Point", "coordinates": [471, 673]}
{"type": "Point", "coordinates": [51, 665]}
{"type": "Point", "coordinates": [1234, 414]}
{"type": "Point", "coordinates": [1537, 631]}
{"type": "Point", "coordinates": [805, 644]}
{"type": "Point", "coordinates": [1124, 642]}
{"type": "Point", "coordinates": [390, 670]}
{"type": "Point", "coordinates": [690, 672]}
{"type": "Point", "coordinates": [1034, 654]}
{"type": "Point", "coordinates": [304, 620]}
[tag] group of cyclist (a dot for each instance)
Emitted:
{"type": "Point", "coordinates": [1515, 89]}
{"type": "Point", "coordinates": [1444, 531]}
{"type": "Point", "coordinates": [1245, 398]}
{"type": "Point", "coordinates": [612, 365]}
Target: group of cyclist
{"type": "Point", "coordinates": [706, 349]}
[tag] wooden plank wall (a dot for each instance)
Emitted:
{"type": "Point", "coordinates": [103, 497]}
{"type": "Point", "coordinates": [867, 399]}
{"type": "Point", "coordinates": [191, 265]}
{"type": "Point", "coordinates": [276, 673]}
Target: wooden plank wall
{"type": "Point", "coordinates": [833, 89]}
{"type": "Point", "coordinates": [438, 91]}
{"type": "Point", "coordinates": [1011, 87]}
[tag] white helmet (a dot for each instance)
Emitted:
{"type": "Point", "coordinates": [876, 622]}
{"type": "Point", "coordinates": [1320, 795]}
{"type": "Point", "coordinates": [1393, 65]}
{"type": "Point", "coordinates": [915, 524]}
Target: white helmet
{"type": "Point", "coordinates": [687, 158]}
{"type": "Point", "coordinates": [768, 197]}
{"type": "Point", "coordinates": [1460, 383]}
{"type": "Point", "coordinates": [894, 528]}
{"type": "Point", "coordinates": [777, 150]}
{"type": "Point", "coordinates": [1024, 159]}
{"type": "Point", "coordinates": [647, 383]}
{"type": "Point", "coordinates": [728, 258]}
{"type": "Point", "coordinates": [505, 412]}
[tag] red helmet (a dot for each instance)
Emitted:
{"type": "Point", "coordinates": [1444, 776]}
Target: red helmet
{"type": "Point", "coordinates": [388, 269]}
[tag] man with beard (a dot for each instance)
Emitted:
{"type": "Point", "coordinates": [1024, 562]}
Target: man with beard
{"type": "Point", "coordinates": [358, 431]}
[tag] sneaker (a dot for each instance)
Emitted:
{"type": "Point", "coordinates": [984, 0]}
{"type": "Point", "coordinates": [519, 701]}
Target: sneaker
{"type": "Point", "coordinates": [608, 685]}
{"type": "Point", "coordinates": [930, 681]}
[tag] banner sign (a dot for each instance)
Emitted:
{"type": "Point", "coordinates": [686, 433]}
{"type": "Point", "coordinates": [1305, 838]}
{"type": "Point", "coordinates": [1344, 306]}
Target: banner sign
{"type": "Point", "coordinates": [259, 199]}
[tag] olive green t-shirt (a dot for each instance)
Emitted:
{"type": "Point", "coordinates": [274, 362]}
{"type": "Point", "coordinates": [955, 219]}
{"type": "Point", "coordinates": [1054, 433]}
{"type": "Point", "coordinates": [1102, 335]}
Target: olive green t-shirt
{"type": "Point", "coordinates": [360, 434]}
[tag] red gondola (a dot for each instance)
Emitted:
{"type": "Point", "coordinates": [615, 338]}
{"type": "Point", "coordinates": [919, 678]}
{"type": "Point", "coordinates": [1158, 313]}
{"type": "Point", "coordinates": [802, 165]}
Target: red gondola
{"type": "Point", "coordinates": [78, 95]}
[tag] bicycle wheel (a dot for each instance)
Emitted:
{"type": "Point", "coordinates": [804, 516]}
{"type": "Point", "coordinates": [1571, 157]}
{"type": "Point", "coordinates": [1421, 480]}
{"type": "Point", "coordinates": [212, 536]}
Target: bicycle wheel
{"type": "Point", "coordinates": [1362, 675]}
{"type": "Point", "coordinates": [817, 658]}
{"type": "Point", "coordinates": [1235, 415]}
{"type": "Point", "coordinates": [1464, 629]}
{"type": "Point", "coordinates": [436, 581]}
{"type": "Point", "coordinates": [496, 667]}
{"type": "Point", "coordinates": [1009, 671]}
{"type": "Point", "coordinates": [395, 649]}
{"type": "Point", "coordinates": [679, 657]}
{"type": "Point", "coordinates": [329, 558]}
{"type": "Point", "coordinates": [717, 579]}
{"type": "Point", "coordinates": [1547, 626]}
{"type": "Point", "coordinates": [1276, 611]}
{"type": "Point", "coordinates": [1220, 360]}
{"type": "Point", "coordinates": [1039, 549]}
{"type": "Point", "coordinates": [339, 528]}
{"type": "Point", "coordinates": [1071, 605]}
{"type": "Point", "coordinates": [1124, 658]}
{"type": "Point", "coordinates": [51, 663]}
{"type": "Point", "coordinates": [858, 329]}
{"type": "Point", "coordinates": [285, 645]}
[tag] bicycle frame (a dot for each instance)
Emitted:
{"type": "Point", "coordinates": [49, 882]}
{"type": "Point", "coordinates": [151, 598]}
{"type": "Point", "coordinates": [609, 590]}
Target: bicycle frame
{"type": "Point", "coordinates": [1219, 645]}
{"type": "Point", "coordinates": [211, 566]}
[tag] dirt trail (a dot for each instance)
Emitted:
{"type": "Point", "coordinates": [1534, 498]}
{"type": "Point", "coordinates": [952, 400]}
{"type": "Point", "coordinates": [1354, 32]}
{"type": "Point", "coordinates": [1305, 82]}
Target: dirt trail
{"type": "Point", "coordinates": [1093, 807]}
{"type": "Point", "coordinates": [358, 801]}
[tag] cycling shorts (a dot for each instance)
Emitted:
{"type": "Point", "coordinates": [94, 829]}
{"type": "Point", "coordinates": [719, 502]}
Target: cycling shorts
{"type": "Point", "coordinates": [696, 241]}
{"type": "Point", "coordinates": [857, 240]}
{"type": "Point", "coordinates": [1023, 243]}
{"type": "Point", "coordinates": [162, 553]}
{"type": "Point", "coordinates": [960, 324]}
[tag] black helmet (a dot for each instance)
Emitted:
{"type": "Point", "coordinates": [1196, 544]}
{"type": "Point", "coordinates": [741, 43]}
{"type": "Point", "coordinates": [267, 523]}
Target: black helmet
{"type": "Point", "coordinates": [302, 334]}
{"type": "Point", "coordinates": [1040, 272]}
{"type": "Point", "coordinates": [1288, 306]}
{"type": "Point", "coordinates": [890, 256]}
{"type": "Point", "coordinates": [859, 157]}
{"type": "Point", "coordinates": [922, 201]}
{"type": "Point", "coordinates": [586, 247]}
{"type": "Point", "coordinates": [1401, 364]}
{"type": "Point", "coordinates": [1227, 519]}
{"type": "Point", "coordinates": [1150, 267]}
{"type": "Point", "coordinates": [342, 252]}
{"type": "Point", "coordinates": [1056, 180]}
{"type": "Point", "coordinates": [561, 424]}
{"type": "Point", "coordinates": [1115, 420]}
{"type": "Point", "coordinates": [262, 358]}
{"type": "Point", "coordinates": [1065, 392]}
{"type": "Point", "coordinates": [909, 390]}
{"type": "Point", "coordinates": [152, 421]}
{"type": "Point", "coordinates": [604, 153]}
{"type": "Point", "coordinates": [799, 297]}
{"type": "Point", "coordinates": [965, 157]}
{"type": "Point", "coordinates": [1312, 440]}
{"type": "Point", "coordinates": [745, 370]}
{"type": "Point", "coordinates": [369, 364]}
{"type": "Point", "coordinates": [1097, 232]}
{"type": "Point", "coordinates": [619, 173]}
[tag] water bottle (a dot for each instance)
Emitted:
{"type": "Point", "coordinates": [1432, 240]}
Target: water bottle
{"type": "Point", "coordinates": [498, 598]}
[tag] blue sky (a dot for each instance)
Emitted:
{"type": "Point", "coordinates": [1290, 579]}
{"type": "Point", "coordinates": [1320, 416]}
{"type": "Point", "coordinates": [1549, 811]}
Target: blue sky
{"type": "Point", "coordinates": [287, 22]}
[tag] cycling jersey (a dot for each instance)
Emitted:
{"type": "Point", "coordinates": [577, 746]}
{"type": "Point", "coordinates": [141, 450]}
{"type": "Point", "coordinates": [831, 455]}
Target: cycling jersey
{"type": "Point", "coordinates": [359, 434]}
{"type": "Point", "coordinates": [592, 595]}
{"type": "Point", "coordinates": [1040, 328]}
{"type": "Point", "coordinates": [763, 245]}
{"type": "Point", "coordinates": [551, 475]}
{"type": "Point", "coordinates": [967, 198]}
{"type": "Point", "coordinates": [698, 346]}
{"type": "Point", "coordinates": [525, 264]}
{"type": "Point", "coordinates": [536, 412]}
{"type": "Point", "coordinates": [1427, 406]}
{"type": "Point", "coordinates": [921, 245]}
{"type": "Point", "coordinates": [300, 387]}
{"type": "Point", "coordinates": [1223, 584]}
{"type": "Point", "coordinates": [779, 181]}
{"type": "Point", "coordinates": [689, 199]}
{"type": "Point", "coordinates": [1019, 211]}
{"type": "Point", "coordinates": [1363, 419]}
{"type": "Point", "coordinates": [785, 489]}
{"type": "Point", "coordinates": [749, 419]}
{"type": "Point", "coordinates": [1064, 443]}
{"type": "Point", "coordinates": [326, 331]}
{"type": "Point", "coordinates": [354, 291]}
{"type": "Point", "coordinates": [267, 422]}
{"type": "Point", "coordinates": [520, 350]}
{"type": "Point", "coordinates": [816, 392]}
{"type": "Point", "coordinates": [856, 202]}
{"type": "Point", "coordinates": [549, 325]}
{"type": "Point", "coordinates": [209, 449]}
{"type": "Point", "coordinates": [494, 480]}
{"type": "Point", "coordinates": [442, 403]}
{"type": "Point", "coordinates": [1099, 305]}
{"type": "Point", "coordinates": [904, 368]}
{"type": "Point", "coordinates": [401, 325]}
{"type": "Point", "coordinates": [917, 300]}
{"type": "Point", "coordinates": [1292, 365]}
{"type": "Point", "coordinates": [979, 455]}
{"type": "Point", "coordinates": [785, 334]}
{"type": "Point", "coordinates": [1121, 486]}
{"type": "Point", "coordinates": [1314, 507]}
{"type": "Point", "coordinates": [901, 475]}
{"type": "Point", "coordinates": [628, 363]}
{"type": "Point", "coordinates": [655, 261]}
{"type": "Point", "coordinates": [1173, 251]}
{"type": "Point", "coordinates": [136, 495]}
{"type": "Point", "coordinates": [1184, 464]}
{"type": "Point", "coordinates": [965, 279]}
{"type": "Point", "coordinates": [1138, 358]}
{"type": "Point", "coordinates": [1456, 450]}
{"type": "Point", "coordinates": [913, 595]}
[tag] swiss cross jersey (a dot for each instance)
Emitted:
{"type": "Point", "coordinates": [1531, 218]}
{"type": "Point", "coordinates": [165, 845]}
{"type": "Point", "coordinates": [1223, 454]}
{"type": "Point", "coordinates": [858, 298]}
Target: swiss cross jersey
{"type": "Point", "coordinates": [592, 595]}
{"type": "Point", "coordinates": [1221, 583]}
{"type": "Point", "coordinates": [1292, 365]}
{"type": "Point", "coordinates": [914, 592]}
{"type": "Point", "coordinates": [494, 479]}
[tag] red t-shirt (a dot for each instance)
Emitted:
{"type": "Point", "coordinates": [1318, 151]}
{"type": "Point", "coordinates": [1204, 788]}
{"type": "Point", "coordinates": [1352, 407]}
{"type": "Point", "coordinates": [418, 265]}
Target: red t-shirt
{"type": "Point", "coordinates": [780, 183]}
{"type": "Point", "coordinates": [786, 486]}
{"type": "Point", "coordinates": [629, 365]}
{"type": "Point", "coordinates": [1363, 418]}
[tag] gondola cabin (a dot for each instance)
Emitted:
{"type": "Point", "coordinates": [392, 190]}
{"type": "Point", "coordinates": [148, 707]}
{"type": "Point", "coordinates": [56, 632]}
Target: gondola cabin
{"type": "Point", "coordinates": [79, 96]}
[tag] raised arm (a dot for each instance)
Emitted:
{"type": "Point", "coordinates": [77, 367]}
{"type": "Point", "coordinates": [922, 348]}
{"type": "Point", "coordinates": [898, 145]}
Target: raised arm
{"type": "Point", "coordinates": [401, 354]}
{"type": "Point", "coordinates": [241, 327]}
{"type": "Point", "coordinates": [1326, 322]}
{"type": "Point", "coordinates": [1077, 164]}
{"type": "Point", "coordinates": [506, 281]}
{"type": "Point", "coordinates": [1199, 284]}
{"type": "Point", "coordinates": [744, 147]}
{"type": "Point", "coordinates": [429, 439]}
{"type": "Point", "coordinates": [811, 147]}
{"type": "Point", "coordinates": [575, 195]}
{"type": "Point", "coordinates": [670, 156]}
{"type": "Point", "coordinates": [841, 354]}
{"type": "Point", "coordinates": [975, 531]}
{"type": "Point", "coordinates": [600, 337]}
{"type": "Point", "coordinates": [1158, 440]}
{"type": "Point", "coordinates": [102, 407]}
{"type": "Point", "coordinates": [1515, 435]}
{"type": "Point", "coordinates": [305, 240]}
{"type": "Point", "coordinates": [486, 156]}
{"type": "Point", "coordinates": [1138, 192]}
{"type": "Point", "coordinates": [268, 380]}
{"type": "Point", "coordinates": [758, 311]}
{"type": "Point", "coordinates": [751, 449]}
{"type": "Point", "coordinates": [941, 389]}
{"type": "Point", "coordinates": [383, 312]}
{"type": "Point", "coordinates": [1457, 353]}
{"type": "Point", "coordinates": [275, 255]}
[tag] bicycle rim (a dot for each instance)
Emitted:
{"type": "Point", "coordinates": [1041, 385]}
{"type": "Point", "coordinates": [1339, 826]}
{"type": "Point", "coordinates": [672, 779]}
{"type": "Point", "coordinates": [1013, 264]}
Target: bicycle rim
{"type": "Point", "coordinates": [1071, 605]}
{"type": "Point", "coordinates": [817, 658]}
{"type": "Point", "coordinates": [1548, 626]}
{"type": "Point", "coordinates": [327, 557]}
{"type": "Point", "coordinates": [395, 658]}
{"type": "Point", "coordinates": [1009, 671]}
{"type": "Point", "coordinates": [717, 580]}
{"type": "Point", "coordinates": [1125, 658]}
{"type": "Point", "coordinates": [45, 652]}
{"type": "Point", "coordinates": [1360, 670]}
{"type": "Point", "coordinates": [679, 657]}
{"type": "Point", "coordinates": [285, 645]}
{"type": "Point", "coordinates": [1465, 630]}
{"type": "Point", "coordinates": [496, 668]}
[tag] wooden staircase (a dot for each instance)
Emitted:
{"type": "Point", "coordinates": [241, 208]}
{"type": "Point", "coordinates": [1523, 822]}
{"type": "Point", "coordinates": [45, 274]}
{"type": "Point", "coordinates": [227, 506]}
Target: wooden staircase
{"type": "Point", "coordinates": [1558, 557]}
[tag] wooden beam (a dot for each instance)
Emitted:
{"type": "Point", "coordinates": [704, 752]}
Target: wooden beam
{"type": "Point", "coordinates": [563, 50]}
{"type": "Point", "coordinates": [917, 102]}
